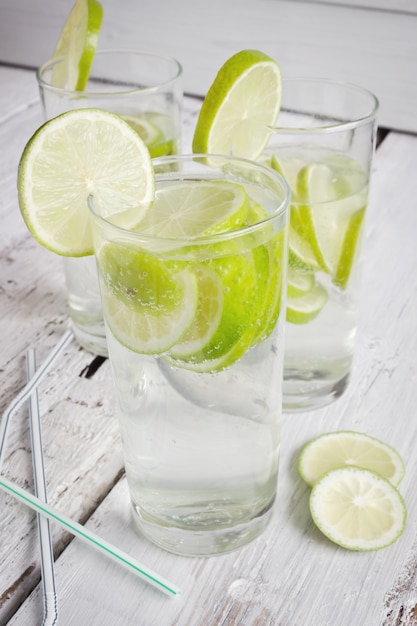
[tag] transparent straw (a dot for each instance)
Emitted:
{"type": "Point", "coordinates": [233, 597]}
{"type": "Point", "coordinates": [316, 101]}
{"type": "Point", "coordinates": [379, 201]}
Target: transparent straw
{"type": "Point", "coordinates": [51, 513]}
{"type": "Point", "coordinates": [89, 537]}
{"type": "Point", "coordinates": [50, 608]}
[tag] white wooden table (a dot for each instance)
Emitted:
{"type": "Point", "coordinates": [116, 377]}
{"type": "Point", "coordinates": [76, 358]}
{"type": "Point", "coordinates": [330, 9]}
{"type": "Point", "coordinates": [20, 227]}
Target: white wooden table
{"type": "Point", "coordinates": [291, 576]}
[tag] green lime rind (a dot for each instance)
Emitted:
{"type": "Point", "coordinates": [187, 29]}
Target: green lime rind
{"type": "Point", "coordinates": [349, 247]}
{"type": "Point", "coordinates": [77, 44]}
{"type": "Point", "coordinates": [58, 171]}
{"type": "Point", "coordinates": [240, 106]}
{"type": "Point", "coordinates": [344, 448]}
{"type": "Point", "coordinates": [305, 308]}
{"type": "Point", "coordinates": [358, 509]}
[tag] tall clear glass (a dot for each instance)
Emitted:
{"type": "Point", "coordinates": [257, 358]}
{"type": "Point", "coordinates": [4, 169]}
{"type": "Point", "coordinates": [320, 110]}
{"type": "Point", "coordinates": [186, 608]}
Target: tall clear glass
{"type": "Point", "coordinates": [323, 145]}
{"type": "Point", "coordinates": [195, 334]}
{"type": "Point", "coordinates": [146, 89]}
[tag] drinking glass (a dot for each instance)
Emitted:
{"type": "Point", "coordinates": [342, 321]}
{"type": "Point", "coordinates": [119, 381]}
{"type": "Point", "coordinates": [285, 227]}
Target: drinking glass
{"type": "Point", "coordinates": [145, 89]}
{"type": "Point", "coordinates": [323, 144]}
{"type": "Point", "coordinates": [195, 335]}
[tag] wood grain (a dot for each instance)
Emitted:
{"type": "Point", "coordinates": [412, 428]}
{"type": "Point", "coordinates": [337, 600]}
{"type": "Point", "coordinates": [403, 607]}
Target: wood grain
{"type": "Point", "coordinates": [291, 576]}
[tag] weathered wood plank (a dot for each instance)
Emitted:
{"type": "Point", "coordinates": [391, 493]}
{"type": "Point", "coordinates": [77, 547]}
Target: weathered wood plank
{"type": "Point", "coordinates": [292, 575]}
{"type": "Point", "coordinates": [338, 40]}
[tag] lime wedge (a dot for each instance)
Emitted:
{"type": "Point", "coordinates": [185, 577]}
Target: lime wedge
{"type": "Point", "coordinates": [195, 208]}
{"type": "Point", "coordinates": [338, 449]}
{"type": "Point", "coordinates": [241, 105]}
{"type": "Point", "coordinates": [82, 152]}
{"type": "Point", "coordinates": [303, 309]}
{"type": "Point", "coordinates": [77, 45]}
{"type": "Point", "coordinates": [357, 509]}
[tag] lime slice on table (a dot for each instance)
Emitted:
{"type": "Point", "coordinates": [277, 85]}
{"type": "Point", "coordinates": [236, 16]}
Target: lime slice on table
{"type": "Point", "coordinates": [82, 152]}
{"type": "Point", "coordinates": [148, 307]}
{"type": "Point", "coordinates": [241, 104]}
{"type": "Point", "coordinates": [329, 219]}
{"type": "Point", "coordinates": [303, 309]}
{"type": "Point", "coordinates": [338, 449]}
{"type": "Point", "coordinates": [77, 45]}
{"type": "Point", "coordinates": [357, 509]}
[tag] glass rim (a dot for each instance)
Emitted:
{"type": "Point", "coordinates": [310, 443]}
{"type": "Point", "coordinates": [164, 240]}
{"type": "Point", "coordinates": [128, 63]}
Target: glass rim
{"type": "Point", "coordinates": [42, 82]}
{"type": "Point", "coordinates": [339, 125]}
{"type": "Point", "coordinates": [220, 237]}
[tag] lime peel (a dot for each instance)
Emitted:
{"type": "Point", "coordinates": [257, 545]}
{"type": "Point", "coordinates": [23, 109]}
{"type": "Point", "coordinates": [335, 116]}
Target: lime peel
{"type": "Point", "coordinates": [357, 509]}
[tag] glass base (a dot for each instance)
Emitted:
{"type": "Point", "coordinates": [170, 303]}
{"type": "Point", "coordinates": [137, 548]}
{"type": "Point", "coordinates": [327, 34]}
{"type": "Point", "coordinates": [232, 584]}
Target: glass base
{"type": "Point", "coordinates": [92, 341]}
{"type": "Point", "coordinates": [204, 542]}
{"type": "Point", "coordinates": [304, 391]}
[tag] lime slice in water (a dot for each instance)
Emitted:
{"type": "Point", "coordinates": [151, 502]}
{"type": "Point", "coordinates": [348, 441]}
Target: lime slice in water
{"type": "Point", "coordinates": [147, 307]}
{"type": "Point", "coordinates": [77, 45]}
{"type": "Point", "coordinates": [241, 105]}
{"type": "Point", "coordinates": [195, 208]}
{"type": "Point", "coordinates": [82, 152]}
{"type": "Point", "coordinates": [299, 283]}
{"type": "Point", "coordinates": [357, 509]}
{"type": "Point", "coordinates": [328, 217]}
{"type": "Point", "coordinates": [303, 309]}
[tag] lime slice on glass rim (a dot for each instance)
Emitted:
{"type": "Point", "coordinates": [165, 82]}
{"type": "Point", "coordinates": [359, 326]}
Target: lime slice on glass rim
{"type": "Point", "coordinates": [78, 153]}
{"type": "Point", "coordinates": [241, 105]}
{"type": "Point", "coordinates": [344, 448]}
{"type": "Point", "coordinates": [77, 45]}
{"type": "Point", "coordinates": [357, 509]}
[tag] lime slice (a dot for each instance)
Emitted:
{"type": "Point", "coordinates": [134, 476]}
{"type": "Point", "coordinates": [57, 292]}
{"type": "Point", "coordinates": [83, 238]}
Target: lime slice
{"type": "Point", "coordinates": [195, 208]}
{"type": "Point", "coordinates": [325, 215]}
{"type": "Point", "coordinates": [299, 283]}
{"type": "Point", "coordinates": [147, 307]}
{"type": "Point", "coordinates": [357, 509]}
{"type": "Point", "coordinates": [300, 252]}
{"type": "Point", "coordinates": [77, 45]}
{"type": "Point", "coordinates": [288, 168]}
{"type": "Point", "coordinates": [349, 247]}
{"type": "Point", "coordinates": [240, 106]}
{"type": "Point", "coordinates": [208, 315]}
{"type": "Point", "coordinates": [82, 152]}
{"type": "Point", "coordinates": [338, 449]}
{"type": "Point", "coordinates": [303, 309]}
{"type": "Point", "coordinates": [147, 131]}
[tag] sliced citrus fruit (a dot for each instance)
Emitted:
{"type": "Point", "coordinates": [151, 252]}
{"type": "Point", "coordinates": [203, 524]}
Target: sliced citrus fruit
{"type": "Point", "coordinates": [147, 307]}
{"type": "Point", "coordinates": [78, 153]}
{"type": "Point", "coordinates": [240, 107]}
{"type": "Point", "coordinates": [325, 216]}
{"type": "Point", "coordinates": [303, 309]}
{"type": "Point", "coordinates": [357, 509]}
{"type": "Point", "coordinates": [195, 208]}
{"type": "Point", "coordinates": [349, 247]}
{"type": "Point", "coordinates": [299, 283]}
{"type": "Point", "coordinates": [208, 314]}
{"type": "Point", "coordinates": [337, 449]}
{"type": "Point", "coordinates": [77, 45]}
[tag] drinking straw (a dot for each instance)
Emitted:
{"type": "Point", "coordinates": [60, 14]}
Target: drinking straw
{"type": "Point", "coordinates": [28, 388]}
{"type": "Point", "coordinates": [50, 608]}
{"type": "Point", "coordinates": [88, 536]}
{"type": "Point", "coordinates": [46, 510]}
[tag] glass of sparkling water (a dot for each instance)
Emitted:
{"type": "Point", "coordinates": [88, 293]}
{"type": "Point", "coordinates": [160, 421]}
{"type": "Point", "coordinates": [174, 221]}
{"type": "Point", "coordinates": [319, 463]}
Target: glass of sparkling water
{"type": "Point", "coordinates": [194, 305]}
{"type": "Point", "coordinates": [145, 89]}
{"type": "Point", "coordinates": [323, 144]}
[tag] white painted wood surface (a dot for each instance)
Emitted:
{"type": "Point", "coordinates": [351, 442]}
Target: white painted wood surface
{"type": "Point", "coordinates": [369, 42]}
{"type": "Point", "coordinates": [291, 576]}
